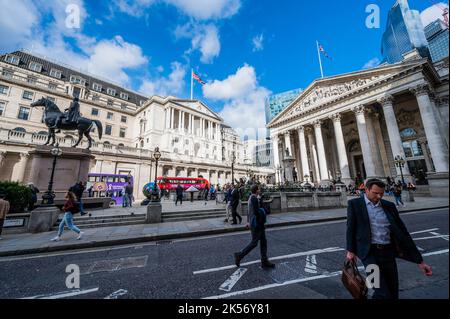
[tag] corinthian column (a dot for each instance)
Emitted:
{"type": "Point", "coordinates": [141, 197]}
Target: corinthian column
{"type": "Point", "coordinates": [436, 143]}
{"type": "Point", "coordinates": [340, 144]}
{"type": "Point", "coordinates": [303, 152]}
{"type": "Point", "coordinates": [321, 151]}
{"type": "Point", "coordinates": [394, 134]}
{"type": "Point", "coordinates": [364, 141]}
{"type": "Point", "coordinates": [287, 141]}
{"type": "Point", "coordinates": [313, 152]}
{"type": "Point", "coordinates": [19, 168]}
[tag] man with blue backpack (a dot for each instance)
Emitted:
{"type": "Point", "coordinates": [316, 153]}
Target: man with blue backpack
{"type": "Point", "coordinates": [256, 219]}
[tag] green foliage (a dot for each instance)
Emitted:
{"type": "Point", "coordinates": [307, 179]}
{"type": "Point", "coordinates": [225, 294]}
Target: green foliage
{"type": "Point", "coordinates": [17, 195]}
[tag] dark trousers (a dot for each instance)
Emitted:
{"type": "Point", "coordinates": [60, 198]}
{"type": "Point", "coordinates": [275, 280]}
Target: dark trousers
{"type": "Point", "coordinates": [179, 198]}
{"type": "Point", "coordinates": [2, 220]}
{"type": "Point", "coordinates": [258, 234]}
{"type": "Point", "coordinates": [385, 260]}
{"type": "Point", "coordinates": [235, 214]}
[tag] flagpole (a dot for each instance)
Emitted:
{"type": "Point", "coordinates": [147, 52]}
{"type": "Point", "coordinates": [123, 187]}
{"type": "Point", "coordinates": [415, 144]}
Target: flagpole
{"type": "Point", "coordinates": [320, 60]}
{"type": "Point", "coordinates": [192, 84]}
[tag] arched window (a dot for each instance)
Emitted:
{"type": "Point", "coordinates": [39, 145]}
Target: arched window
{"type": "Point", "coordinates": [121, 145]}
{"type": "Point", "coordinates": [142, 144]}
{"type": "Point", "coordinates": [408, 132]}
{"type": "Point", "coordinates": [20, 129]}
{"type": "Point", "coordinates": [69, 137]}
{"type": "Point", "coordinates": [106, 143]}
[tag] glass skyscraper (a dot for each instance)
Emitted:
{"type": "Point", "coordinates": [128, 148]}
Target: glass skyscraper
{"type": "Point", "coordinates": [437, 36]}
{"type": "Point", "coordinates": [404, 32]}
{"type": "Point", "coordinates": [278, 102]}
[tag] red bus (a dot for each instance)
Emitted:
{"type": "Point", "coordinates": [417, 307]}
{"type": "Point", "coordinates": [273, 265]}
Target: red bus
{"type": "Point", "coordinates": [171, 183]}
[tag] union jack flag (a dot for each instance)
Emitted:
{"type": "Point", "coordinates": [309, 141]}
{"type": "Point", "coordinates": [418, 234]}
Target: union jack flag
{"type": "Point", "coordinates": [321, 49]}
{"type": "Point", "coordinates": [197, 78]}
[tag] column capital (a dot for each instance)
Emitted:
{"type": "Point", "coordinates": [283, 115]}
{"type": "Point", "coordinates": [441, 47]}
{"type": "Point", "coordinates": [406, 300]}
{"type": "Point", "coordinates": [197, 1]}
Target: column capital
{"type": "Point", "coordinates": [336, 117]}
{"type": "Point", "coordinates": [309, 130]}
{"type": "Point", "coordinates": [287, 133]}
{"type": "Point", "coordinates": [386, 100]}
{"type": "Point", "coordinates": [360, 109]}
{"type": "Point", "coordinates": [301, 128]}
{"type": "Point", "coordinates": [24, 155]}
{"type": "Point", "coordinates": [421, 89]}
{"type": "Point", "coordinates": [317, 124]}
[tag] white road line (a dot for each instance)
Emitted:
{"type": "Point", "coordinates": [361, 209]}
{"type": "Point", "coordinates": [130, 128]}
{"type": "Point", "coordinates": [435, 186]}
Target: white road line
{"type": "Point", "coordinates": [63, 294]}
{"type": "Point", "coordinates": [116, 294]}
{"type": "Point", "coordinates": [445, 237]}
{"type": "Point", "coordinates": [311, 264]}
{"type": "Point", "coordinates": [247, 291]}
{"type": "Point", "coordinates": [439, 252]}
{"type": "Point", "coordinates": [305, 253]}
{"type": "Point", "coordinates": [423, 231]}
{"type": "Point", "coordinates": [230, 282]}
{"type": "Point", "coordinates": [420, 248]}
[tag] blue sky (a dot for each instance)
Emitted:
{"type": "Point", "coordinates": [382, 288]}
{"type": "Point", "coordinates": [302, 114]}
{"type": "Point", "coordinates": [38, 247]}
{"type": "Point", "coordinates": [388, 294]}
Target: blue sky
{"type": "Point", "coordinates": [243, 49]}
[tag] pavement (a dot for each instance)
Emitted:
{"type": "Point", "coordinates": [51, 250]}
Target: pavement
{"type": "Point", "coordinates": [23, 244]}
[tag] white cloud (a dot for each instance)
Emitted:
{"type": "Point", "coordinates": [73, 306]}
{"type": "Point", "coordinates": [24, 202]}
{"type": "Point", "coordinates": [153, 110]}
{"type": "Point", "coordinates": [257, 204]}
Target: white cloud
{"type": "Point", "coordinates": [258, 44]}
{"type": "Point", "coordinates": [244, 100]}
{"type": "Point", "coordinates": [372, 63]}
{"type": "Point", "coordinates": [204, 38]}
{"type": "Point", "coordinates": [135, 8]}
{"type": "Point", "coordinates": [172, 85]}
{"type": "Point", "coordinates": [207, 9]}
{"type": "Point", "coordinates": [432, 13]}
{"type": "Point", "coordinates": [98, 22]}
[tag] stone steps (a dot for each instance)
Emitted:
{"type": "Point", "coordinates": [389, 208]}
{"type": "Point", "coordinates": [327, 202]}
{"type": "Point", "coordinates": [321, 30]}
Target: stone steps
{"type": "Point", "coordinates": [106, 221]}
{"type": "Point", "coordinates": [192, 217]}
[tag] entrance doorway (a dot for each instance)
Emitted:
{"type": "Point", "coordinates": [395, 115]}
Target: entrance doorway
{"type": "Point", "coordinates": [360, 168]}
{"type": "Point", "coordinates": [418, 168]}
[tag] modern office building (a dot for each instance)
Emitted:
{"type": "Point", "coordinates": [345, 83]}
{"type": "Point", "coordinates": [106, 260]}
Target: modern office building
{"type": "Point", "coordinates": [277, 103]}
{"type": "Point", "coordinates": [437, 37]}
{"type": "Point", "coordinates": [404, 32]}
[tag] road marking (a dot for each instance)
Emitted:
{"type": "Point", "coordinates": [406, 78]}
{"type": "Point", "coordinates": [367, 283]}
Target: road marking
{"type": "Point", "coordinates": [311, 264]}
{"type": "Point", "coordinates": [230, 282]}
{"type": "Point", "coordinates": [420, 248]}
{"type": "Point", "coordinates": [63, 294]}
{"type": "Point", "coordinates": [439, 252]}
{"type": "Point", "coordinates": [445, 237]}
{"type": "Point", "coordinates": [423, 231]}
{"type": "Point", "coordinates": [117, 294]}
{"type": "Point", "coordinates": [305, 253]}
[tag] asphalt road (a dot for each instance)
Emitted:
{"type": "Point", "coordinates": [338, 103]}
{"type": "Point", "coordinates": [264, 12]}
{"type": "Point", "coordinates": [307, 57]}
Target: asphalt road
{"type": "Point", "coordinates": [308, 258]}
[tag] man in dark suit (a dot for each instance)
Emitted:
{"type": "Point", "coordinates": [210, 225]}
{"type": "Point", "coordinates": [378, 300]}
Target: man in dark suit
{"type": "Point", "coordinates": [179, 193]}
{"type": "Point", "coordinates": [235, 198]}
{"type": "Point", "coordinates": [377, 235]}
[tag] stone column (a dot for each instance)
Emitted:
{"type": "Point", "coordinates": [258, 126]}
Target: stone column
{"type": "Point", "coordinates": [313, 152]}
{"type": "Point", "coordinates": [435, 140]}
{"type": "Point", "coordinates": [180, 120]}
{"type": "Point", "coordinates": [321, 151]}
{"type": "Point", "coordinates": [168, 118]}
{"type": "Point", "coordinates": [2, 158]}
{"type": "Point", "coordinates": [172, 118]}
{"type": "Point", "coordinates": [376, 154]}
{"type": "Point", "coordinates": [342, 153]}
{"type": "Point", "coordinates": [364, 141]}
{"type": "Point", "coordinates": [287, 141]}
{"type": "Point", "coordinates": [19, 169]}
{"type": "Point", "coordinates": [428, 162]}
{"type": "Point", "coordinates": [303, 153]}
{"type": "Point", "coordinates": [394, 133]}
{"type": "Point", "coordinates": [276, 156]}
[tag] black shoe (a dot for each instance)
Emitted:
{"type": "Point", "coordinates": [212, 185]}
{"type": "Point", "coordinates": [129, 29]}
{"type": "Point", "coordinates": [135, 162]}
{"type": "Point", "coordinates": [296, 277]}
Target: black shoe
{"type": "Point", "coordinates": [240, 219]}
{"type": "Point", "coordinates": [267, 264]}
{"type": "Point", "coordinates": [237, 259]}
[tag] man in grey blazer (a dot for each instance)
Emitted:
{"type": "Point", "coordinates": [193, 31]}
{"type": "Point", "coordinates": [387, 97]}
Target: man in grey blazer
{"type": "Point", "coordinates": [377, 235]}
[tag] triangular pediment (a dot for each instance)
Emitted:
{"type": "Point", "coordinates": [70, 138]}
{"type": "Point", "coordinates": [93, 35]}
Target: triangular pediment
{"type": "Point", "coordinates": [324, 91]}
{"type": "Point", "coordinates": [197, 106]}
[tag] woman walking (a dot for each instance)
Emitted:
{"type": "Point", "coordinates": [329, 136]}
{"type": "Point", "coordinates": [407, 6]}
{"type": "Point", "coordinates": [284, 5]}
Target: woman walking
{"type": "Point", "coordinates": [70, 208]}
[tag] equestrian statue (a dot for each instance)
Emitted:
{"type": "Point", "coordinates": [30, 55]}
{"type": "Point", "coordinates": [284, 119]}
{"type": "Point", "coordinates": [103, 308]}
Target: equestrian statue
{"type": "Point", "coordinates": [70, 120]}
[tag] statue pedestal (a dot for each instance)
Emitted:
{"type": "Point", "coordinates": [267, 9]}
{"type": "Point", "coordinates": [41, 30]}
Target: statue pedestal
{"type": "Point", "coordinates": [43, 218]}
{"type": "Point", "coordinates": [154, 212]}
{"type": "Point", "coordinates": [72, 166]}
{"type": "Point", "coordinates": [288, 168]}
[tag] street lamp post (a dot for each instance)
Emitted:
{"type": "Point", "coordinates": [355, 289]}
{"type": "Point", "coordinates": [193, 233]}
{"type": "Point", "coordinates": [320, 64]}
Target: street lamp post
{"type": "Point", "coordinates": [400, 163]}
{"type": "Point", "coordinates": [49, 196]}
{"type": "Point", "coordinates": [155, 195]}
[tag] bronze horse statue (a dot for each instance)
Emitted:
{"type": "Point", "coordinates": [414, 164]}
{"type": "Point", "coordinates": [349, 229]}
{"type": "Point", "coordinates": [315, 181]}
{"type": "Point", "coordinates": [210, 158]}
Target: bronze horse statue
{"type": "Point", "coordinates": [82, 125]}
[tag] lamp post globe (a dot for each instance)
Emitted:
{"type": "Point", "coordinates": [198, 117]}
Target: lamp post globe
{"type": "Point", "coordinates": [400, 163]}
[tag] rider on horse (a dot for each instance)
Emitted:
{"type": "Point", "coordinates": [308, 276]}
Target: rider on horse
{"type": "Point", "coordinates": [72, 115]}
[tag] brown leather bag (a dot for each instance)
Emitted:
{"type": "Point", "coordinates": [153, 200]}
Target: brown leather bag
{"type": "Point", "coordinates": [353, 280]}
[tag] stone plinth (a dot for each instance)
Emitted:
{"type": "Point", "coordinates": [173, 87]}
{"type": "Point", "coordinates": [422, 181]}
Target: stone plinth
{"type": "Point", "coordinates": [72, 166]}
{"type": "Point", "coordinates": [438, 184]}
{"type": "Point", "coordinates": [43, 218]}
{"type": "Point", "coordinates": [154, 212]}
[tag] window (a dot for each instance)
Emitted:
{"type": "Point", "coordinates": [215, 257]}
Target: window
{"type": "Point", "coordinates": [97, 87]}
{"type": "Point", "coordinates": [109, 115]}
{"type": "Point", "coordinates": [36, 67]}
{"type": "Point", "coordinates": [24, 113]}
{"type": "Point", "coordinates": [51, 98]}
{"type": "Point", "coordinates": [108, 130]}
{"type": "Point", "coordinates": [77, 80]}
{"type": "Point", "coordinates": [123, 119]}
{"type": "Point", "coordinates": [7, 73]}
{"type": "Point", "coordinates": [141, 102]}
{"type": "Point", "coordinates": [123, 106]}
{"type": "Point", "coordinates": [12, 59]}
{"type": "Point", "coordinates": [111, 92]}
{"type": "Point", "coordinates": [123, 96]}
{"type": "Point", "coordinates": [110, 103]}
{"type": "Point", "coordinates": [94, 112]}
{"type": "Point", "coordinates": [2, 108]}
{"type": "Point", "coordinates": [52, 86]}
{"type": "Point", "coordinates": [122, 132]}
{"type": "Point", "coordinates": [31, 79]}
{"type": "Point", "coordinates": [408, 132]}
{"type": "Point", "coordinates": [55, 73]}
{"type": "Point", "coordinates": [4, 89]}
{"type": "Point", "coordinates": [412, 148]}
{"type": "Point", "coordinates": [95, 98]}
{"type": "Point", "coordinates": [27, 95]}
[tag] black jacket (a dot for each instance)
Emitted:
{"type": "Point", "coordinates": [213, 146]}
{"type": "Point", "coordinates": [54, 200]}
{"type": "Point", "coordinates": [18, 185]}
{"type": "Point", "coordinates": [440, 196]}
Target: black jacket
{"type": "Point", "coordinates": [359, 234]}
{"type": "Point", "coordinates": [235, 198]}
{"type": "Point", "coordinates": [179, 191]}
